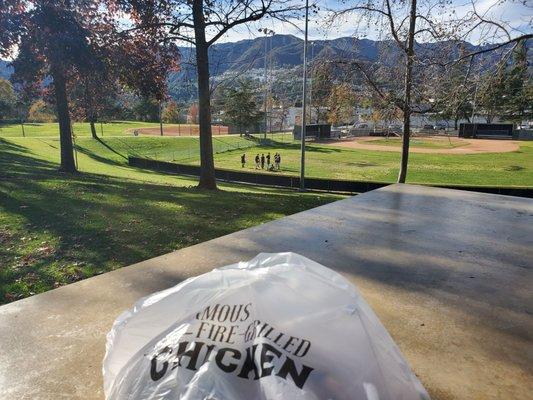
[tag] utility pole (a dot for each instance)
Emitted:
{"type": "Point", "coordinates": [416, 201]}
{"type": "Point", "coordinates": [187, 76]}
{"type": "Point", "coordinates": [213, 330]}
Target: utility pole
{"type": "Point", "coordinates": [311, 84]}
{"type": "Point", "coordinates": [267, 32]}
{"type": "Point", "coordinates": [304, 102]}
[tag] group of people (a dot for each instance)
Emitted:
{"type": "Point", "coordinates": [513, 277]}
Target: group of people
{"type": "Point", "coordinates": [265, 161]}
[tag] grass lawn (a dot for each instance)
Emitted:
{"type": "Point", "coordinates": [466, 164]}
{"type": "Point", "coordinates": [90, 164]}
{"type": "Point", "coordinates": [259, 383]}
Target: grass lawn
{"type": "Point", "coordinates": [115, 128]}
{"type": "Point", "coordinates": [80, 129]}
{"type": "Point", "coordinates": [322, 161]}
{"type": "Point", "coordinates": [56, 229]}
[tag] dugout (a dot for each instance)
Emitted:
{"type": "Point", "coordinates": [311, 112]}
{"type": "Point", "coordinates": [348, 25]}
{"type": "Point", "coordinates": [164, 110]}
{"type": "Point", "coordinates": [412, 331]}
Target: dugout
{"type": "Point", "coordinates": [320, 131]}
{"type": "Point", "coordinates": [486, 131]}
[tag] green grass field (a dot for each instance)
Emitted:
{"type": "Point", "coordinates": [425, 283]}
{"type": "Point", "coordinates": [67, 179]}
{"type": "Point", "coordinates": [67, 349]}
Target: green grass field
{"type": "Point", "coordinates": [80, 129]}
{"type": "Point", "coordinates": [322, 161]}
{"type": "Point", "coordinates": [56, 229]}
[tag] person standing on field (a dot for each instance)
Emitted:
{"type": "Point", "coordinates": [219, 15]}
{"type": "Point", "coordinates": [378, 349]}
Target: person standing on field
{"type": "Point", "coordinates": [262, 161]}
{"type": "Point", "coordinates": [268, 161]}
{"type": "Point", "coordinates": [243, 160]}
{"type": "Point", "coordinates": [257, 161]}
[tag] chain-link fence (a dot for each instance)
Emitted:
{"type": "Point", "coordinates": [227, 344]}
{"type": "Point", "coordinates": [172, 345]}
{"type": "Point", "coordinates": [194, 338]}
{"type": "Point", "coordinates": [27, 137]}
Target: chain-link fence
{"type": "Point", "coordinates": [191, 151]}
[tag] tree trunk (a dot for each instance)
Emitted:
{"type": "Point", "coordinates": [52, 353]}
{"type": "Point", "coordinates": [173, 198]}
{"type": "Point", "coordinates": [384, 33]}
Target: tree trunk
{"type": "Point", "coordinates": [90, 110]}
{"type": "Point", "coordinates": [93, 128]}
{"type": "Point", "coordinates": [207, 165]}
{"type": "Point", "coordinates": [160, 120]}
{"type": "Point", "coordinates": [407, 94]}
{"type": "Point", "coordinates": [63, 117]}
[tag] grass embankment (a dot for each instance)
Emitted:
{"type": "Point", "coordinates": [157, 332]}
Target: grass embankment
{"type": "Point", "coordinates": [57, 228]}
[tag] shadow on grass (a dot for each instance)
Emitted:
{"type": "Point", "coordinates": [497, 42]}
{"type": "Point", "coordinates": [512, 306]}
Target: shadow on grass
{"type": "Point", "coordinates": [88, 223]}
{"type": "Point", "coordinates": [99, 158]}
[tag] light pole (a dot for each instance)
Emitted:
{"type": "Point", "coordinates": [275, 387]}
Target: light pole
{"type": "Point", "coordinates": [311, 84]}
{"type": "Point", "coordinates": [267, 32]}
{"type": "Point", "coordinates": [304, 102]}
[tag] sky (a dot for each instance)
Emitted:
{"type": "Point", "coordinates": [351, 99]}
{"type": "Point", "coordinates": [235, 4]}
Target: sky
{"type": "Point", "coordinates": [516, 14]}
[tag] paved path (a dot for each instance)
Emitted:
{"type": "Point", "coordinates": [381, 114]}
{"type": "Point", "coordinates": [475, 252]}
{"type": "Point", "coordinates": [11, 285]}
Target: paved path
{"type": "Point", "coordinates": [471, 146]}
{"type": "Point", "coordinates": [448, 273]}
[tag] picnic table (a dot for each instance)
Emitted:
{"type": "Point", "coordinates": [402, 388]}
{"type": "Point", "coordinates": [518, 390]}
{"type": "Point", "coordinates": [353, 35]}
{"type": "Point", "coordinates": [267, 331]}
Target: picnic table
{"type": "Point", "coordinates": [448, 272]}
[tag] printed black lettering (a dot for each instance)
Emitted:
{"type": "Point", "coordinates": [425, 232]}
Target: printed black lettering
{"type": "Point", "coordinates": [235, 311]}
{"type": "Point", "coordinates": [231, 333]}
{"type": "Point", "coordinates": [223, 313]}
{"type": "Point", "coordinates": [219, 332]}
{"type": "Point", "coordinates": [192, 354]}
{"type": "Point", "coordinates": [278, 338]}
{"type": "Point", "coordinates": [220, 359]}
{"type": "Point", "coordinates": [289, 343]}
{"type": "Point", "coordinates": [201, 328]}
{"type": "Point", "coordinates": [267, 357]}
{"type": "Point", "coordinates": [289, 368]}
{"type": "Point", "coordinates": [303, 348]}
{"type": "Point", "coordinates": [246, 311]}
{"type": "Point", "coordinates": [208, 313]}
{"type": "Point", "coordinates": [262, 329]}
{"type": "Point", "coordinates": [249, 364]}
{"type": "Point", "coordinates": [156, 374]}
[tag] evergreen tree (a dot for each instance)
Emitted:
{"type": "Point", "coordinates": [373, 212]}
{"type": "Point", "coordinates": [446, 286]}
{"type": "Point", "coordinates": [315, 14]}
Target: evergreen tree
{"type": "Point", "coordinates": [519, 100]}
{"type": "Point", "coordinates": [491, 96]}
{"type": "Point", "coordinates": [240, 108]}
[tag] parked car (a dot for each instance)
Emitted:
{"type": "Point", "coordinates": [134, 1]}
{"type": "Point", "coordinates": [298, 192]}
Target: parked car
{"type": "Point", "coordinates": [427, 127]}
{"type": "Point", "coordinates": [439, 127]}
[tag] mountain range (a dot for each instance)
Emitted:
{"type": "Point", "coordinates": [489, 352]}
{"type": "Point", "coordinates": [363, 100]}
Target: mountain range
{"type": "Point", "coordinates": [283, 52]}
{"type": "Point", "coordinates": [287, 51]}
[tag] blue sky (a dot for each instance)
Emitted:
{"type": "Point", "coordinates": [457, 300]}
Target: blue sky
{"type": "Point", "coordinates": [516, 14]}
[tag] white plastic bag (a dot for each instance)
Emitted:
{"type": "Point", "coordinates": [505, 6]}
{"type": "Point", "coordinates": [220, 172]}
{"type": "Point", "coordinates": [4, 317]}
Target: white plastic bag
{"type": "Point", "coordinates": [277, 327]}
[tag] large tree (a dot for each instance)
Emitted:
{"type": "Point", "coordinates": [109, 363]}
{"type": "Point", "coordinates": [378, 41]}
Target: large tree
{"type": "Point", "coordinates": [202, 23]}
{"type": "Point", "coordinates": [138, 61]}
{"type": "Point", "coordinates": [240, 107]}
{"type": "Point", "coordinates": [51, 42]}
{"type": "Point", "coordinates": [322, 80]}
{"type": "Point", "coordinates": [519, 87]}
{"type": "Point", "coordinates": [76, 43]}
{"type": "Point", "coordinates": [403, 24]}
{"type": "Point", "coordinates": [341, 104]}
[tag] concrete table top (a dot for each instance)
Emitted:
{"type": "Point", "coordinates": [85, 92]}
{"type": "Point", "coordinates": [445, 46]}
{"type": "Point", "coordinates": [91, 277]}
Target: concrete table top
{"type": "Point", "coordinates": [448, 273]}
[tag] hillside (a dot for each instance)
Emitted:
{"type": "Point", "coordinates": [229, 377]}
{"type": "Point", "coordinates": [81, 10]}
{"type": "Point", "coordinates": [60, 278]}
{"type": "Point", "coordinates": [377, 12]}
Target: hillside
{"type": "Point", "coordinates": [284, 52]}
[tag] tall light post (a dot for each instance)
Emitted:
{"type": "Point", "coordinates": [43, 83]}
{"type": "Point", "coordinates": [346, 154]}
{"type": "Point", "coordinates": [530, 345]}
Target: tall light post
{"type": "Point", "coordinates": [304, 102]}
{"type": "Point", "coordinates": [311, 83]}
{"type": "Point", "coordinates": [267, 32]}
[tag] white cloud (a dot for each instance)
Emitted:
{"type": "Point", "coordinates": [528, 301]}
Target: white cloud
{"type": "Point", "coordinates": [516, 15]}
